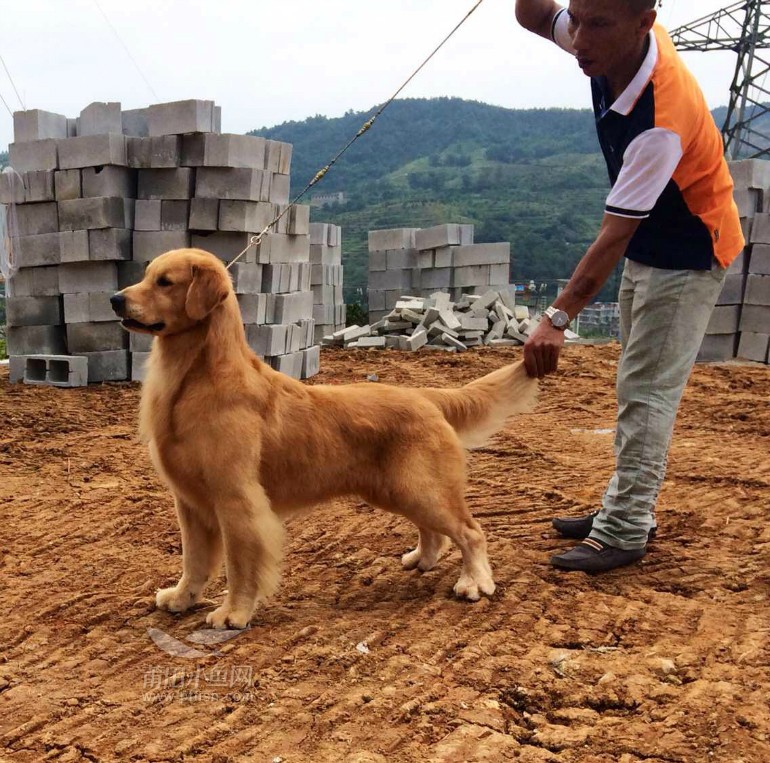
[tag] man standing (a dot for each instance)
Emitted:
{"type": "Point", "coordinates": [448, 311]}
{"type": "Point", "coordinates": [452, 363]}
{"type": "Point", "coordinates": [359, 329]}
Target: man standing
{"type": "Point", "coordinates": [671, 214]}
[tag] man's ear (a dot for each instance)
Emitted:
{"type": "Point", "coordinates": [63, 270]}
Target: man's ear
{"type": "Point", "coordinates": [206, 292]}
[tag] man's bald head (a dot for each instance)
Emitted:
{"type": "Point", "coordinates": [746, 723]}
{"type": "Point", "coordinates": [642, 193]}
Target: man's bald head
{"type": "Point", "coordinates": [639, 6]}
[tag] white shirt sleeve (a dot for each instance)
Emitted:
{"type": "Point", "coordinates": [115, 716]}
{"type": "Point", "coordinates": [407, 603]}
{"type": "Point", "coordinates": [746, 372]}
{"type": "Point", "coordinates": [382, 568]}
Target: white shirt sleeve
{"type": "Point", "coordinates": [560, 31]}
{"type": "Point", "coordinates": [648, 166]}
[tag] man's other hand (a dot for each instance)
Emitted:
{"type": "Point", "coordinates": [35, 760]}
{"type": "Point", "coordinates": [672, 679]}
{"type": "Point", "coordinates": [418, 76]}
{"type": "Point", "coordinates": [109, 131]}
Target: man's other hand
{"type": "Point", "coordinates": [541, 352]}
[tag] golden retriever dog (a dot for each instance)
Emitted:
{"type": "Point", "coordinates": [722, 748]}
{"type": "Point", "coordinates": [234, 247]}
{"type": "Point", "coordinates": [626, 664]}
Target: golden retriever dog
{"type": "Point", "coordinates": [242, 446]}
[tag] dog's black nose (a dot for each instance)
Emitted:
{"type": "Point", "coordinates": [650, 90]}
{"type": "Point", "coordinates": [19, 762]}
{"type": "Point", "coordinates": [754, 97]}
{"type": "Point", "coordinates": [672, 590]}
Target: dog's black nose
{"type": "Point", "coordinates": [118, 302]}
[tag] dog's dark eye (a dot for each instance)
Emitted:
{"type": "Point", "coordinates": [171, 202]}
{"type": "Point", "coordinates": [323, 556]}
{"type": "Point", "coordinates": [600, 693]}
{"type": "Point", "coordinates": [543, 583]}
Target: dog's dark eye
{"type": "Point", "coordinates": [163, 281]}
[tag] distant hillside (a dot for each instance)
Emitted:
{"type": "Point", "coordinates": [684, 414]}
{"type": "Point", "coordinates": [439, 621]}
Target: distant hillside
{"type": "Point", "coordinates": [532, 177]}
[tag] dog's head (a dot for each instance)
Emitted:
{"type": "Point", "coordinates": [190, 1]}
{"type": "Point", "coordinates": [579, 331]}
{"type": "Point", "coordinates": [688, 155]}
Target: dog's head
{"type": "Point", "coordinates": [180, 289]}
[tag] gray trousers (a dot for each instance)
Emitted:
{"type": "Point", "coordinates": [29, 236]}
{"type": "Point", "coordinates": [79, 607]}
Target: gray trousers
{"type": "Point", "coordinates": [664, 315]}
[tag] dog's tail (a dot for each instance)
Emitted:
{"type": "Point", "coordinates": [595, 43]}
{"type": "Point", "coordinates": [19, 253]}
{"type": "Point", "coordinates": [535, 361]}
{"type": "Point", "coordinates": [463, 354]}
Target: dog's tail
{"type": "Point", "coordinates": [479, 409]}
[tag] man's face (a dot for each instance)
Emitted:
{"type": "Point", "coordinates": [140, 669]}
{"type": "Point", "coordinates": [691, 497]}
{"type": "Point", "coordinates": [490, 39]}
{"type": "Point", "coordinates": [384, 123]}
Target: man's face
{"type": "Point", "coordinates": [605, 33]}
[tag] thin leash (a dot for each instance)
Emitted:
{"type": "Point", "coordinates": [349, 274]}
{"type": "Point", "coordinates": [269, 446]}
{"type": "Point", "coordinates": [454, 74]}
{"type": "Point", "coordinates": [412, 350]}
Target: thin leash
{"type": "Point", "coordinates": [257, 239]}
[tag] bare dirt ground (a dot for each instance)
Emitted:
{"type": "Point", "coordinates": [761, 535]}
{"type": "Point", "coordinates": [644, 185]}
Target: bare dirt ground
{"type": "Point", "coordinates": [356, 660]}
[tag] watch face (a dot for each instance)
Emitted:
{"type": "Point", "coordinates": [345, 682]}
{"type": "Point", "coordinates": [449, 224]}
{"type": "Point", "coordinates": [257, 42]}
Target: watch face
{"type": "Point", "coordinates": [559, 319]}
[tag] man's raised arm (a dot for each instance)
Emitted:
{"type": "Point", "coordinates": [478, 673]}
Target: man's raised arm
{"type": "Point", "coordinates": [537, 15]}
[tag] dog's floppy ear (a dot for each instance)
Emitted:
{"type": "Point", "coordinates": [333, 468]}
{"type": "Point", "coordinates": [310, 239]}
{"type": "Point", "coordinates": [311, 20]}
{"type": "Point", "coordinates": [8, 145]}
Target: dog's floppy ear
{"type": "Point", "coordinates": [206, 291]}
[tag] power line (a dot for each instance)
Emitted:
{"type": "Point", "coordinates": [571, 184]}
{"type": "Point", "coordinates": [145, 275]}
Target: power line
{"type": "Point", "coordinates": [13, 83]}
{"type": "Point", "coordinates": [5, 103]}
{"type": "Point", "coordinates": [125, 47]}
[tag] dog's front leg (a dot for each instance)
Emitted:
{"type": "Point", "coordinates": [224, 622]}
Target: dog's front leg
{"type": "Point", "coordinates": [253, 540]}
{"type": "Point", "coordinates": [201, 558]}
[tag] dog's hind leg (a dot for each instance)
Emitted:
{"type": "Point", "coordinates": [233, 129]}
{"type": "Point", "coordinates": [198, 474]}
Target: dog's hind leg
{"type": "Point", "coordinates": [253, 540]}
{"type": "Point", "coordinates": [431, 546]}
{"type": "Point", "coordinates": [201, 559]}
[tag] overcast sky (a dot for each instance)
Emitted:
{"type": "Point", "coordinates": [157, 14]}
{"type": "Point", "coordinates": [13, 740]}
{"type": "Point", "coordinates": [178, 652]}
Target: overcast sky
{"type": "Point", "coordinates": [266, 62]}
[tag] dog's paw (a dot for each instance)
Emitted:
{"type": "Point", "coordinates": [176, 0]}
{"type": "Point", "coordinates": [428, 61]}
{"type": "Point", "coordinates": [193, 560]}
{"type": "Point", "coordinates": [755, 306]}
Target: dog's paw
{"type": "Point", "coordinates": [410, 559]}
{"type": "Point", "coordinates": [175, 599]}
{"type": "Point", "coordinates": [223, 618]}
{"type": "Point", "coordinates": [470, 589]}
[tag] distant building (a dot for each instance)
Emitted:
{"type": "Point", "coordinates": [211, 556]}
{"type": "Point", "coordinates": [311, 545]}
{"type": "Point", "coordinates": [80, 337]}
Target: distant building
{"type": "Point", "coordinates": [601, 318]}
{"type": "Point", "coordinates": [327, 199]}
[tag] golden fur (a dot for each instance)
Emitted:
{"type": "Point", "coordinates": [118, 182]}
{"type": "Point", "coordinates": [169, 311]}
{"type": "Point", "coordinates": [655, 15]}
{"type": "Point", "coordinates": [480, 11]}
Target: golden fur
{"type": "Point", "coordinates": [242, 446]}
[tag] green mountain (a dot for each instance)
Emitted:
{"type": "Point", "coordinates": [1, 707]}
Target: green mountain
{"type": "Point", "coordinates": [531, 177]}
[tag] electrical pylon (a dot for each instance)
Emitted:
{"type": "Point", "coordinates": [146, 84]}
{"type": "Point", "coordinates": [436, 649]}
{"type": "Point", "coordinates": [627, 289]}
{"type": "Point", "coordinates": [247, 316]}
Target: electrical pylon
{"type": "Point", "coordinates": [744, 28]}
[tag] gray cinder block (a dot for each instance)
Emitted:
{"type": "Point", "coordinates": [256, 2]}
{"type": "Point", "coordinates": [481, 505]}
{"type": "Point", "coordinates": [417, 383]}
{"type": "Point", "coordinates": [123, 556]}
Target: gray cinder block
{"type": "Point", "coordinates": [204, 214]}
{"type": "Point", "coordinates": [139, 362]}
{"type": "Point", "coordinates": [724, 320]}
{"type": "Point", "coordinates": [482, 254]}
{"type": "Point", "coordinates": [267, 340]}
{"type": "Point", "coordinates": [166, 183]}
{"type": "Point", "coordinates": [756, 319]}
{"type": "Point", "coordinates": [33, 311]}
{"type": "Point", "coordinates": [147, 245]}
{"type": "Point", "coordinates": [130, 273]}
{"type": "Point", "coordinates": [238, 184]}
{"type": "Point", "coordinates": [109, 181]}
{"type": "Point", "coordinates": [107, 365]}
{"type": "Point", "coordinates": [67, 185]}
{"type": "Point", "coordinates": [78, 277]}
{"type": "Point", "coordinates": [757, 290]}
{"type": "Point", "coordinates": [92, 151]}
{"type": "Point", "coordinates": [174, 214]}
{"type": "Point", "coordinates": [38, 250]}
{"type": "Point", "coordinates": [34, 282]}
{"type": "Point", "coordinates": [96, 337]}
{"type": "Point", "coordinates": [253, 307]}
{"type": "Point", "coordinates": [134, 123]}
{"type": "Point", "coordinates": [444, 235]}
{"type": "Point", "coordinates": [35, 340]}
{"type": "Point", "coordinates": [211, 150]}
{"type": "Point", "coordinates": [91, 307]}
{"type": "Point", "coordinates": [732, 291]}
{"type": "Point", "coordinates": [298, 220]}
{"type": "Point", "coordinates": [139, 342]}
{"type": "Point", "coordinates": [34, 155]}
{"type": "Point", "coordinates": [393, 238]}
{"type": "Point", "coordinates": [400, 259]}
{"type": "Point", "coordinates": [96, 212]}
{"type": "Point", "coordinates": [247, 277]}
{"type": "Point", "coordinates": [759, 263]}
{"type": "Point", "coordinates": [52, 370]}
{"type": "Point", "coordinates": [244, 215]}
{"type": "Point", "coordinates": [181, 117]}
{"type": "Point", "coordinates": [378, 261]}
{"type": "Point", "coordinates": [311, 362]}
{"type": "Point", "coordinates": [279, 189]}
{"type": "Point", "coordinates": [74, 246]}
{"type": "Point", "coordinates": [38, 185]}
{"type": "Point", "coordinates": [12, 189]}
{"type": "Point", "coordinates": [147, 214]}
{"type": "Point", "coordinates": [34, 219]}
{"type": "Point", "coordinates": [754, 346]}
{"type": "Point", "coordinates": [100, 118]}
{"type": "Point", "coordinates": [109, 244]}
{"type": "Point", "coordinates": [437, 278]}
{"type": "Point", "coordinates": [35, 124]}
{"type": "Point", "coordinates": [750, 173]}
{"type": "Point", "coordinates": [225, 245]}
{"type": "Point", "coordinates": [277, 247]}
{"type": "Point", "coordinates": [717, 348]}
{"type": "Point", "coordinates": [159, 152]}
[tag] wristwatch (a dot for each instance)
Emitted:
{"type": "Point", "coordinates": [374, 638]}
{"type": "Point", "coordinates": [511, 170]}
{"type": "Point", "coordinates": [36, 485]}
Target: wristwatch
{"type": "Point", "coordinates": [559, 319]}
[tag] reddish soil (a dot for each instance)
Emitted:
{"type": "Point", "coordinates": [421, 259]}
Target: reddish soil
{"type": "Point", "coordinates": [355, 660]}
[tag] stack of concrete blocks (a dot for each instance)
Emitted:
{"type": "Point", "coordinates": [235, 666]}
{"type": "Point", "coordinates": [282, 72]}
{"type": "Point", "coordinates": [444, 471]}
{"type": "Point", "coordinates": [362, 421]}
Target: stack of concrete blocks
{"type": "Point", "coordinates": [326, 278]}
{"type": "Point", "coordinates": [740, 324]}
{"type": "Point", "coordinates": [437, 323]}
{"type": "Point", "coordinates": [100, 196]}
{"type": "Point", "coordinates": [70, 226]}
{"type": "Point", "coordinates": [421, 261]}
